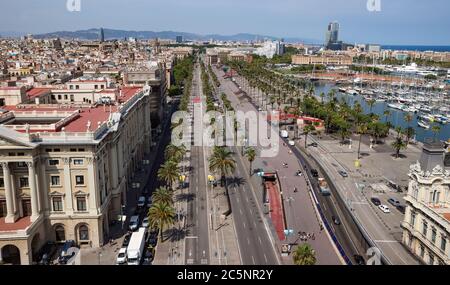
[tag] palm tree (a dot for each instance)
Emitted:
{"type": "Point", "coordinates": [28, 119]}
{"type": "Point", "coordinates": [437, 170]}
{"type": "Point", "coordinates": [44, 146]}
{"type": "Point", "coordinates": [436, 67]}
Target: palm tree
{"type": "Point", "coordinates": [362, 129]}
{"type": "Point", "coordinates": [306, 130]}
{"type": "Point", "coordinates": [398, 145]}
{"type": "Point", "coordinates": [174, 152]}
{"type": "Point", "coordinates": [343, 133]}
{"type": "Point", "coordinates": [250, 153]}
{"type": "Point", "coordinates": [162, 195]}
{"type": "Point", "coordinates": [304, 255]}
{"type": "Point", "coordinates": [322, 96]}
{"type": "Point", "coordinates": [371, 103]}
{"type": "Point", "coordinates": [386, 114]}
{"type": "Point", "coordinates": [161, 215]}
{"type": "Point", "coordinates": [169, 173]}
{"type": "Point", "coordinates": [222, 162]}
{"type": "Point", "coordinates": [435, 129]}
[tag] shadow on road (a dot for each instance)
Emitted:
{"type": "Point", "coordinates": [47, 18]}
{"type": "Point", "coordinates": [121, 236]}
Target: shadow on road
{"type": "Point", "coordinates": [185, 197]}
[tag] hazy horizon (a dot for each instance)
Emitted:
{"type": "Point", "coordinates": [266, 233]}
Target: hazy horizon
{"type": "Point", "coordinates": [400, 22]}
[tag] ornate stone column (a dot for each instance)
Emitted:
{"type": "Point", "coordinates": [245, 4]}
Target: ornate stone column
{"type": "Point", "coordinates": [11, 217]}
{"type": "Point", "coordinates": [33, 191]}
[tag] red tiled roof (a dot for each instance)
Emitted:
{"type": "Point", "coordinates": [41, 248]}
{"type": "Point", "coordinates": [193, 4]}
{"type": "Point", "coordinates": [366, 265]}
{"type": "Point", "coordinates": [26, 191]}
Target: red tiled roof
{"type": "Point", "coordinates": [94, 115]}
{"type": "Point", "coordinates": [20, 224]}
{"type": "Point", "coordinates": [446, 216]}
{"type": "Point", "coordinates": [36, 92]}
{"type": "Point", "coordinates": [128, 92]}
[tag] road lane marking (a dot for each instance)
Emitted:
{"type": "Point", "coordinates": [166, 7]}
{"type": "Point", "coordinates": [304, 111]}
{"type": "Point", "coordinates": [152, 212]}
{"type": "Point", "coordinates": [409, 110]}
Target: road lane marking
{"type": "Point", "coordinates": [248, 241]}
{"type": "Point", "coordinates": [260, 241]}
{"type": "Point", "coordinates": [240, 211]}
{"type": "Point", "coordinates": [243, 225]}
{"type": "Point", "coordinates": [265, 257]}
{"type": "Point", "coordinates": [386, 241]}
{"type": "Point", "coordinates": [253, 259]}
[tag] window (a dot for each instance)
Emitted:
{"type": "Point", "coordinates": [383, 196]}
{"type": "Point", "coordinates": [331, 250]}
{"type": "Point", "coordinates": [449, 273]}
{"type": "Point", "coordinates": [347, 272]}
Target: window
{"type": "Point", "coordinates": [422, 251]}
{"type": "Point", "coordinates": [57, 204]}
{"type": "Point", "coordinates": [48, 150]}
{"type": "Point", "coordinates": [431, 262]}
{"type": "Point", "coordinates": [78, 161]}
{"type": "Point", "coordinates": [2, 183]}
{"type": "Point", "coordinates": [53, 162]}
{"type": "Point", "coordinates": [103, 86]}
{"type": "Point", "coordinates": [66, 97]}
{"type": "Point", "coordinates": [81, 204]}
{"type": "Point", "coordinates": [433, 235]}
{"type": "Point", "coordinates": [81, 149]}
{"type": "Point", "coordinates": [77, 87]}
{"type": "Point", "coordinates": [20, 154]}
{"type": "Point", "coordinates": [413, 219]}
{"type": "Point", "coordinates": [59, 97]}
{"type": "Point", "coordinates": [443, 243]}
{"type": "Point", "coordinates": [23, 182]}
{"type": "Point", "coordinates": [424, 228]}
{"type": "Point", "coordinates": [95, 86]}
{"type": "Point", "coordinates": [79, 180]}
{"type": "Point", "coordinates": [53, 97]}
{"type": "Point", "coordinates": [56, 181]}
{"type": "Point", "coordinates": [72, 98]}
{"type": "Point", "coordinates": [71, 87]}
{"type": "Point", "coordinates": [21, 164]}
{"type": "Point", "coordinates": [60, 233]}
{"type": "Point", "coordinates": [84, 233]}
{"type": "Point", "coordinates": [73, 150]}
{"type": "Point", "coordinates": [56, 150]}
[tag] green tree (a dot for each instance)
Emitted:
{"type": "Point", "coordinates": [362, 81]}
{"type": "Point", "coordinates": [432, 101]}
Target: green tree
{"type": "Point", "coordinates": [306, 131]}
{"type": "Point", "coordinates": [162, 195]}
{"type": "Point", "coordinates": [362, 130]}
{"type": "Point", "coordinates": [435, 129]}
{"type": "Point", "coordinates": [169, 173]}
{"type": "Point", "coordinates": [222, 162]}
{"type": "Point", "coordinates": [398, 145]}
{"type": "Point", "coordinates": [175, 153]}
{"type": "Point", "coordinates": [161, 215]}
{"type": "Point", "coordinates": [250, 153]}
{"type": "Point", "coordinates": [304, 255]}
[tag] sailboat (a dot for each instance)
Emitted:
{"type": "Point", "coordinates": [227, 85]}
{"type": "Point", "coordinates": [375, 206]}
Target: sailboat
{"type": "Point", "coordinates": [424, 125]}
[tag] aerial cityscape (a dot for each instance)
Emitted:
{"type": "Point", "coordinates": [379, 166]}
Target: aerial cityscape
{"type": "Point", "coordinates": [224, 133]}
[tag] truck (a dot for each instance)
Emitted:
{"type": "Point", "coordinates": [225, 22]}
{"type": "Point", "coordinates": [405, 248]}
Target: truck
{"type": "Point", "coordinates": [136, 246]}
{"type": "Point", "coordinates": [323, 186]}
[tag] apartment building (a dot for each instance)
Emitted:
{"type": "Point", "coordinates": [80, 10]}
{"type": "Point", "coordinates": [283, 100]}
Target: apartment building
{"type": "Point", "coordinates": [426, 227]}
{"type": "Point", "coordinates": [322, 59]}
{"type": "Point", "coordinates": [65, 171]}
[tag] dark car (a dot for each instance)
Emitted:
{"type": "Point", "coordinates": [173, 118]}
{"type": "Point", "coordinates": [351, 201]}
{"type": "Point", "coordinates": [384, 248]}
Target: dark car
{"type": "Point", "coordinates": [343, 173]}
{"type": "Point", "coordinates": [375, 201]}
{"type": "Point", "coordinates": [148, 257]}
{"type": "Point", "coordinates": [401, 208]}
{"type": "Point", "coordinates": [394, 202]}
{"type": "Point", "coordinates": [336, 220]}
{"type": "Point", "coordinates": [315, 173]}
{"type": "Point", "coordinates": [64, 256]}
{"type": "Point", "coordinates": [359, 260]}
{"type": "Point", "coordinates": [152, 240]}
{"type": "Point", "coordinates": [46, 254]}
{"type": "Point", "coordinates": [314, 145]}
{"type": "Point", "coordinates": [126, 240]}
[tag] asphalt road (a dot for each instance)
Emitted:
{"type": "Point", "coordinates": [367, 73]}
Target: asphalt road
{"type": "Point", "coordinates": [299, 210]}
{"type": "Point", "coordinates": [255, 242]}
{"type": "Point", "coordinates": [197, 239]}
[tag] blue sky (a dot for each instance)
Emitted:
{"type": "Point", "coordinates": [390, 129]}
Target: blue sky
{"type": "Point", "coordinates": [424, 22]}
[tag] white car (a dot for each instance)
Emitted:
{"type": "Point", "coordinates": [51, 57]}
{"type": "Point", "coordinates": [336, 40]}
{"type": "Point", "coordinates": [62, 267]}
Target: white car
{"type": "Point", "coordinates": [384, 209]}
{"type": "Point", "coordinates": [292, 143]}
{"type": "Point", "coordinates": [141, 202]}
{"type": "Point", "coordinates": [145, 223]}
{"type": "Point", "coordinates": [122, 257]}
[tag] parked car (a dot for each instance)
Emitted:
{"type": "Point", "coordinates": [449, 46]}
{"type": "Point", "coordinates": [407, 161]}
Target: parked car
{"type": "Point", "coordinates": [126, 240]}
{"type": "Point", "coordinates": [384, 209]}
{"type": "Point", "coordinates": [401, 208]}
{"type": "Point", "coordinates": [375, 201]}
{"type": "Point", "coordinates": [314, 173]}
{"type": "Point", "coordinates": [336, 220]}
{"type": "Point", "coordinates": [343, 173]}
{"type": "Point", "coordinates": [292, 143]}
{"type": "Point", "coordinates": [145, 222]}
{"type": "Point", "coordinates": [314, 145]}
{"type": "Point", "coordinates": [359, 260]}
{"type": "Point", "coordinates": [46, 253]}
{"type": "Point", "coordinates": [299, 173]}
{"type": "Point", "coordinates": [152, 240]}
{"type": "Point", "coordinates": [122, 257]}
{"type": "Point", "coordinates": [64, 255]}
{"type": "Point", "coordinates": [141, 202]}
{"type": "Point", "coordinates": [394, 202]}
{"type": "Point", "coordinates": [148, 256]}
{"type": "Point", "coordinates": [134, 223]}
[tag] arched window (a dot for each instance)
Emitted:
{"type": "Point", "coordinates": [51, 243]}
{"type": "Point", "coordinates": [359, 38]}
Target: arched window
{"type": "Point", "coordinates": [83, 233]}
{"type": "Point", "coordinates": [60, 233]}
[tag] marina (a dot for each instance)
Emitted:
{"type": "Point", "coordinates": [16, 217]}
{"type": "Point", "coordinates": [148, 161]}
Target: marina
{"type": "Point", "coordinates": [428, 107]}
